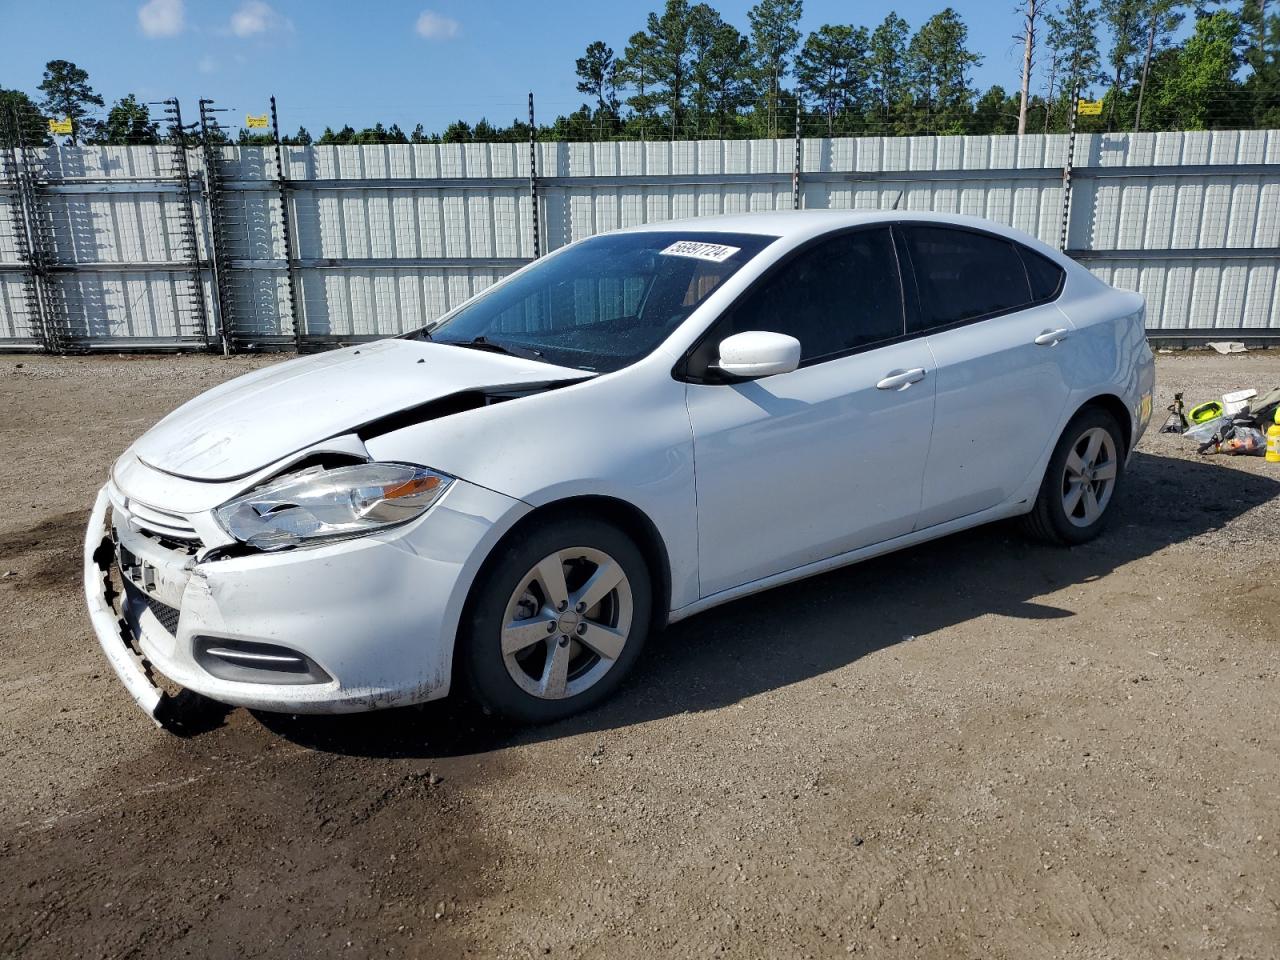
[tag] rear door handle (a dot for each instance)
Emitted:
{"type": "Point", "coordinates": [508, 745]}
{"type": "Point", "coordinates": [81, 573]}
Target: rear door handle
{"type": "Point", "coordinates": [901, 379]}
{"type": "Point", "coordinates": [1050, 337]}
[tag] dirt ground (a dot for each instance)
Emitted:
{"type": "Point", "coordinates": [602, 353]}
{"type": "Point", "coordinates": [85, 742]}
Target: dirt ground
{"type": "Point", "coordinates": [975, 748]}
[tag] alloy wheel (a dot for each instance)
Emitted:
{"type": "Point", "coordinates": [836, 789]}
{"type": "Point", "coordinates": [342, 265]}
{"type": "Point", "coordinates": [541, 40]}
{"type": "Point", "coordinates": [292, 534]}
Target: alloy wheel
{"type": "Point", "coordinates": [567, 623]}
{"type": "Point", "coordinates": [1089, 478]}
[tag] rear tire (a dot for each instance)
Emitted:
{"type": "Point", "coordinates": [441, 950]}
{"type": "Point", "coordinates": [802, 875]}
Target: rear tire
{"type": "Point", "coordinates": [1080, 483]}
{"type": "Point", "coordinates": [556, 621]}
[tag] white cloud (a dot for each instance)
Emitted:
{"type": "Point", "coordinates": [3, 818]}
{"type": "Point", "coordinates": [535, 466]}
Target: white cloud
{"type": "Point", "coordinates": [207, 64]}
{"type": "Point", "coordinates": [255, 17]}
{"type": "Point", "coordinates": [162, 18]}
{"type": "Point", "coordinates": [436, 26]}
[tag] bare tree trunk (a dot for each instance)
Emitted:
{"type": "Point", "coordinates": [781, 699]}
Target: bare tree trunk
{"type": "Point", "coordinates": [1115, 99]}
{"type": "Point", "coordinates": [1028, 52]}
{"type": "Point", "coordinates": [1048, 97]}
{"type": "Point", "coordinates": [773, 106]}
{"type": "Point", "coordinates": [1146, 66]}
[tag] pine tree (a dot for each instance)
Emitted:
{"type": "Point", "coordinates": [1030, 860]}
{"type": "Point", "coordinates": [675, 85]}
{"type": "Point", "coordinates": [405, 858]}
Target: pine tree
{"type": "Point", "coordinates": [598, 76]}
{"type": "Point", "coordinates": [1163, 17]}
{"type": "Point", "coordinates": [888, 67]}
{"type": "Point", "coordinates": [128, 121]}
{"type": "Point", "coordinates": [1125, 22]}
{"type": "Point", "coordinates": [722, 73]}
{"type": "Point", "coordinates": [939, 66]}
{"type": "Point", "coordinates": [775, 34]}
{"type": "Point", "coordinates": [32, 125]}
{"type": "Point", "coordinates": [1073, 37]}
{"type": "Point", "coordinates": [67, 94]}
{"type": "Point", "coordinates": [832, 68]}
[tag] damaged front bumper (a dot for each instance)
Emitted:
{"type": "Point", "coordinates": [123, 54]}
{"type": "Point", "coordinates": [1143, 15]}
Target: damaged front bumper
{"type": "Point", "coordinates": [113, 633]}
{"type": "Point", "coordinates": [371, 621]}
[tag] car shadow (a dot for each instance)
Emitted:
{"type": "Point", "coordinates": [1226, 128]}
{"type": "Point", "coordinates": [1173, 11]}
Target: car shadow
{"type": "Point", "coordinates": [806, 629]}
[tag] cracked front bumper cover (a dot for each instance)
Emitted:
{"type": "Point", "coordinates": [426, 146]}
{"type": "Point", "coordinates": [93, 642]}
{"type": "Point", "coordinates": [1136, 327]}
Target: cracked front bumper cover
{"type": "Point", "coordinates": [112, 632]}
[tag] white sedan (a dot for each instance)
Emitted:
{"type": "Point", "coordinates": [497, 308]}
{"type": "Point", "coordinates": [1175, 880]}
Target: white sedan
{"type": "Point", "coordinates": [636, 428]}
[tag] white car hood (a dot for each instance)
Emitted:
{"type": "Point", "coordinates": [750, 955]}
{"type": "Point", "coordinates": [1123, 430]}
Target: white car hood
{"type": "Point", "coordinates": [247, 423]}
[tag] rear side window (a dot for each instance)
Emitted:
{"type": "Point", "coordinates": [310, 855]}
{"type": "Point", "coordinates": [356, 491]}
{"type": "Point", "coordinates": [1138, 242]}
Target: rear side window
{"type": "Point", "coordinates": [842, 294]}
{"type": "Point", "coordinates": [1046, 276]}
{"type": "Point", "coordinates": [963, 275]}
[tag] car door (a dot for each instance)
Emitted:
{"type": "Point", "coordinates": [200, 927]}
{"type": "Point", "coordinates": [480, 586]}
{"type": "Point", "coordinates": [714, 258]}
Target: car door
{"type": "Point", "coordinates": [806, 465]}
{"type": "Point", "coordinates": [1001, 349]}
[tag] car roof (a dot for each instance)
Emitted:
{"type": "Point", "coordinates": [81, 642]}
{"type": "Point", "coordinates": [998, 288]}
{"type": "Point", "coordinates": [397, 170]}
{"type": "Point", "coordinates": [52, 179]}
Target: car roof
{"type": "Point", "coordinates": [799, 225]}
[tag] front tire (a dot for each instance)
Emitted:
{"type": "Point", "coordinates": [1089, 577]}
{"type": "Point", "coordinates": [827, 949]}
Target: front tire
{"type": "Point", "coordinates": [556, 621]}
{"type": "Point", "coordinates": [1080, 482]}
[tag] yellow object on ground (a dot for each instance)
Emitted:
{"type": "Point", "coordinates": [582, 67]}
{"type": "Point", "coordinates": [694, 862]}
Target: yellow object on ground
{"type": "Point", "coordinates": [1204, 412]}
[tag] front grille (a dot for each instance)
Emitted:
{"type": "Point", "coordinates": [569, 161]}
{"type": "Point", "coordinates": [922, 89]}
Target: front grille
{"type": "Point", "coordinates": [164, 525]}
{"type": "Point", "coordinates": [166, 614]}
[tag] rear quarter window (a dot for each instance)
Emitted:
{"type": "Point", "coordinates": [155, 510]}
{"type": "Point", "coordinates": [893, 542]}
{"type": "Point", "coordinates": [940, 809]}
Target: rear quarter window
{"type": "Point", "coordinates": [1046, 277]}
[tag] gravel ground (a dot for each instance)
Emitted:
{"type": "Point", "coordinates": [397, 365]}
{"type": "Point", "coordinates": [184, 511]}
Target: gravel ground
{"type": "Point", "coordinates": [975, 748]}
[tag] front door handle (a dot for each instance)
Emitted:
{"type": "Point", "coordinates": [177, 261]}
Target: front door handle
{"type": "Point", "coordinates": [1050, 337]}
{"type": "Point", "coordinates": [900, 379]}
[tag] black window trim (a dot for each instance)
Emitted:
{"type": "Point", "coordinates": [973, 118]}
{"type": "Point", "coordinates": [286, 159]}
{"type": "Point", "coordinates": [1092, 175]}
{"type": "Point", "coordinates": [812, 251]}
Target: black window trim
{"type": "Point", "coordinates": [1018, 249]}
{"type": "Point", "coordinates": [681, 370]}
{"type": "Point", "coordinates": [912, 302]}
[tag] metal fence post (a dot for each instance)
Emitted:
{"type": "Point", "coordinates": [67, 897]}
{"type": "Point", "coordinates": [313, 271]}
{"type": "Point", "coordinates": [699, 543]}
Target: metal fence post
{"type": "Point", "coordinates": [1068, 164]}
{"type": "Point", "coordinates": [795, 173]}
{"type": "Point", "coordinates": [533, 181]}
{"type": "Point", "coordinates": [286, 232]}
{"type": "Point", "coordinates": [213, 206]}
{"type": "Point", "coordinates": [190, 243]}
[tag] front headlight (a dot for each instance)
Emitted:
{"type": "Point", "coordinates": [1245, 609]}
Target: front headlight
{"type": "Point", "coordinates": [331, 504]}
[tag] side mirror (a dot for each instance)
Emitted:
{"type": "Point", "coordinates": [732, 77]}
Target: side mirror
{"type": "Point", "coordinates": [758, 353]}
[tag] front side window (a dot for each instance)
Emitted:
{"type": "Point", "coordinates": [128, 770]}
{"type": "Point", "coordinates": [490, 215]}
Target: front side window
{"type": "Point", "coordinates": [837, 296]}
{"type": "Point", "coordinates": [604, 303]}
{"type": "Point", "coordinates": [963, 275]}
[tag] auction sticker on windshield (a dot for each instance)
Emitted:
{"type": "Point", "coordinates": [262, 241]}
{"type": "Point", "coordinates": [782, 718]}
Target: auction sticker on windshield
{"type": "Point", "coordinates": [715, 252]}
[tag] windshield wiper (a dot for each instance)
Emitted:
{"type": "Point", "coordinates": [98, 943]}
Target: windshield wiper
{"type": "Point", "coordinates": [484, 343]}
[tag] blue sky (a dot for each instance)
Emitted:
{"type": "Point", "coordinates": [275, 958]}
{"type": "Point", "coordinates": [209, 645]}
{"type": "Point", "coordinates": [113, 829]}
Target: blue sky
{"type": "Point", "coordinates": [331, 62]}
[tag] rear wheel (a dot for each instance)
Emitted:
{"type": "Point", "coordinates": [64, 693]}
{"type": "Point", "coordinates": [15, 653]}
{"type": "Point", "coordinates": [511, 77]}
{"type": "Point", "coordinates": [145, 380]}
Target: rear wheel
{"type": "Point", "coordinates": [557, 621]}
{"type": "Point", "coordinates": [1080, 482]}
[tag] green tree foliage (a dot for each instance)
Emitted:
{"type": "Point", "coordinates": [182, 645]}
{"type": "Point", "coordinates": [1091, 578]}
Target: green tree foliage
{"type": "Point", "coordinates": [939, 69]}
{"type": "Point", "coordinates": [1162, 18]}
{"type": "Point", "coordinates": [1072, 39]}
{"type": "Point", "coordinates": [997, 112]}
{"type": "Point", "coordinates": [637, 71]}
{"type": "Point", "coordinates": [1125, 22]}
{"type": "Point", "coordinates": [888, 68]}
{"type": "Point", "coordinates": [22, 120]}
{"type": "Point", "coordinates": [832, 69]}
{"type": "Point", "coordinates": [659, 62]}
{"type": "Point", "coordinates": [67, 94]}
{"type": "Point", "coordinates": [1187, 81]}
{"type": "Point", "coordinates": [1262, 53]}
{"type": "Point", "coordinates": [722, 73]}
{"type": "Point", "coordinates": [775, 34]}
{"type": "Point", "coordinates": [598, 76]}
{"type": "Point", "coordinates": [692, 74]}
{"type": "Point", "coordinates": [128, 122]}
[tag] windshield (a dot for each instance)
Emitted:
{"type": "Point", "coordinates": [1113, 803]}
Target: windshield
{"type": "Point", "coordinates": [604, 303]}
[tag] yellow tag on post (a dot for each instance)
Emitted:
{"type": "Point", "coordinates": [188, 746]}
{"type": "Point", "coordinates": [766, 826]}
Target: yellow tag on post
{"type": "Point", "coordinates": [258, 122]}
{"type": "Point", "coordinates": [1089, 108]}
{"type": "Point", "coordinates": [62, 126]}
